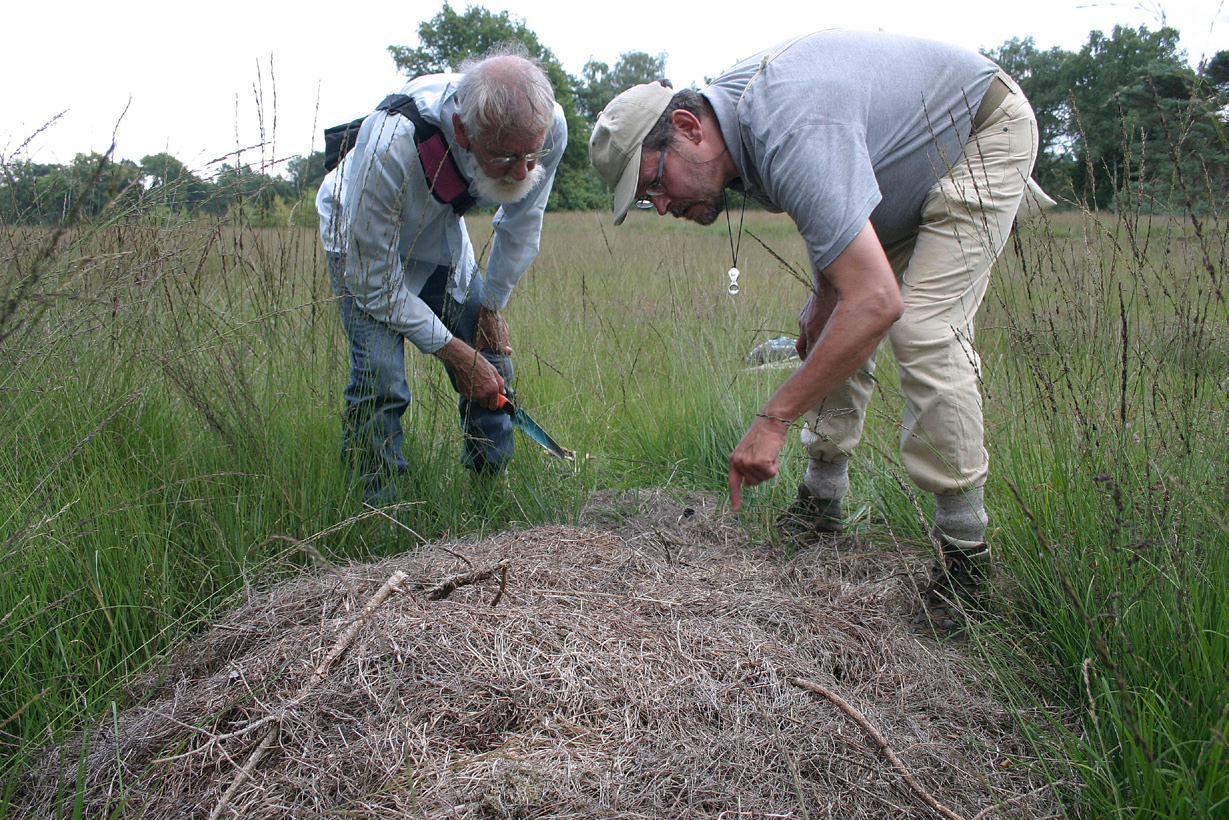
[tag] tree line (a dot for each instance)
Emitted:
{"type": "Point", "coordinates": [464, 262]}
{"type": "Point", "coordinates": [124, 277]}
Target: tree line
{"type": "Point", "coordinates": [38, 193]}
{"type": "Point", "coordinates": [1125, 116]}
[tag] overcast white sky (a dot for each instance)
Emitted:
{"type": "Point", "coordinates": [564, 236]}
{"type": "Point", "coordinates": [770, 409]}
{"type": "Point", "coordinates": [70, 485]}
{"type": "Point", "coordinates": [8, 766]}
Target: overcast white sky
{"type": "Point", "coordinates": [186, 77]}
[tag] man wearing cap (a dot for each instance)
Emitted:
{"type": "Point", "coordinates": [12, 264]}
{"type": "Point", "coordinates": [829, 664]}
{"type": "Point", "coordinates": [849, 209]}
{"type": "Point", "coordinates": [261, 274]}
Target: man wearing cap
{"type": "Point", "coordinates": [401, 259]}
{"type": "Point", "coordinates": [903, 163]}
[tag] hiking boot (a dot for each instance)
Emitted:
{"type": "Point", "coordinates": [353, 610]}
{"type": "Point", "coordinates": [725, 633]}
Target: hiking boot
{"type": "Point", "coordinates": [810, 518]}
{"type": "Point", "coordinates": [953, 592]}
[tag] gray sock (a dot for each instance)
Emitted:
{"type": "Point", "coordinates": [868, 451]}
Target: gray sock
{"type": "Point", "coordinates": [828, 480]}
{"type": "Point", "coordinates": [961, 519]}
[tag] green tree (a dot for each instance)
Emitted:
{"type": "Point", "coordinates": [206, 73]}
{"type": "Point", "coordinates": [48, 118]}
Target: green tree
{"type": "Point", "coordinates": [118, 186]}
{"type": "Point", "coordinates": [34, 193]}
{"type": "Point", "coordinates": [306, 173]}
{"type": "Point", "coordinates": [1125, 116]}
{"type": "Point", "coordinates": [23, 191]}
{"type": "Point", "coordinates": [449, 38]}
{"type": "Point", "coordinates": [1118, 103]}
{"type": "Point", "coordinates": [169, 183]}
{"type": "Point", "coordinates": [1216, 70]}
{"type": "Point", "coordinates": [46, 194]}
{"type": "Point", "coordinates": [1182, 121]}
{"type": "Point", "coordinates": [256, 195]}
{"type": "Point", "coordinates": [603, 83]}
{"type": "Point", "coordinates": [1044, 77]}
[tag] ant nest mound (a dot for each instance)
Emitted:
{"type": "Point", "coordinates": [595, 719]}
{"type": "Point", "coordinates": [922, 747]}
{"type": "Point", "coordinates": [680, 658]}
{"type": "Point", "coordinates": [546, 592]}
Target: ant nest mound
{"type": "Point", "coordinates": [652, 662]}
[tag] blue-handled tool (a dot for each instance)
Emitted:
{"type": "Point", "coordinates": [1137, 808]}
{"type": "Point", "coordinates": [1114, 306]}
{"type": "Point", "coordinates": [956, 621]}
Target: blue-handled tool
{"type": "Point", "coordinates": [529, 427]}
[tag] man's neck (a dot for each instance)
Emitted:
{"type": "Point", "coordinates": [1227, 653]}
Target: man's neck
{"type": "Point", "coordinates": [720, 151]}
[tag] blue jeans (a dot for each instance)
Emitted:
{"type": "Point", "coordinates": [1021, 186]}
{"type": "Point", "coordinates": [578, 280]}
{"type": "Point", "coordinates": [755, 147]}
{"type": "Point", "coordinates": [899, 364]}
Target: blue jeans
{"type": "Point", "coordinates": [378, 393]}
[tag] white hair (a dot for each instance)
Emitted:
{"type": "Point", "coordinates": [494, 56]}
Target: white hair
{"type": "Point", "coordinates": [504, 94]}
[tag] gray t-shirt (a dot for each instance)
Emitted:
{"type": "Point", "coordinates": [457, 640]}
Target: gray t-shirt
{"type": "Point", "coordinates": [842, 126]}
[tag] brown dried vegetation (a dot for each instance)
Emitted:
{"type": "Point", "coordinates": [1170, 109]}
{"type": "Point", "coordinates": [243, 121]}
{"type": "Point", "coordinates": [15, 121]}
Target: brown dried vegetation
{"type": "Point", "coordinates": [646, 664]}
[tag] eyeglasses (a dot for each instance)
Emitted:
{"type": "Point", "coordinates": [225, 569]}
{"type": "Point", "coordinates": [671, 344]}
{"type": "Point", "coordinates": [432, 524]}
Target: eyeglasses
{"type": "Point", "coordinates": [506, 160]}
{"type": "Point", "coordinates": [655, 188]}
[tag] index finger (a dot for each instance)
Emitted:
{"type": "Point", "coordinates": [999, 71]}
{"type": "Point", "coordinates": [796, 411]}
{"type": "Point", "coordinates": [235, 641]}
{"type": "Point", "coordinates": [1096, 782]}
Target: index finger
{"type": "Point", "coordinates": [736, 489]}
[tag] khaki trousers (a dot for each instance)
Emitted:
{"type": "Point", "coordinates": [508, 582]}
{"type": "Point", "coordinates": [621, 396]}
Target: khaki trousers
{"type": "Point", "coordinates": [943, 271]}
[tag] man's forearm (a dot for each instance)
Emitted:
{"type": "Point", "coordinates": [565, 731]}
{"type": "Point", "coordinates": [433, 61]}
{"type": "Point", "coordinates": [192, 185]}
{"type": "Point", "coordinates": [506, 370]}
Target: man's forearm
{"type": "Point", "coordinates": [844, 346]}
{"type": "Point", "coordinates": [457, 355]}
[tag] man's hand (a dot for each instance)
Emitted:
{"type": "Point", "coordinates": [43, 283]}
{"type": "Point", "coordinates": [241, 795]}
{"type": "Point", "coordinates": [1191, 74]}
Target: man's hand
{"type": "Point", "coordinates": [854, 305]}
{"type": "Point", "coordinates": [477, 379]}
{"type": "Point", "coordinates": [813, 317]}
{"type": "Point", "coordinates": [492, 333]}
{"type": "Point", "coordinates": [754, 460]}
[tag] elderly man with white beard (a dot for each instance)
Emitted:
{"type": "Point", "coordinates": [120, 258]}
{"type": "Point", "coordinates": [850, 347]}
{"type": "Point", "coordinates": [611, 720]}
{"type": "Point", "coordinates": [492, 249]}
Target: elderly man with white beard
{"type": "Point", "coordinates": [402, 263]}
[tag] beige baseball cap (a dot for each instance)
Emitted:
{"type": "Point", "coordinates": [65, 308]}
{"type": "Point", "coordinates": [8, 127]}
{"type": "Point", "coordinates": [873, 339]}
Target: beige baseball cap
{"type": "Point", "coordinates": [614, 147]}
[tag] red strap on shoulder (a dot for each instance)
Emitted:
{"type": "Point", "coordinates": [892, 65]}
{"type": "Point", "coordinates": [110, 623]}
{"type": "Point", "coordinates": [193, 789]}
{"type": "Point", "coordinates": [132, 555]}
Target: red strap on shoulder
{"type": "Point", "coordinates": [442, 175]}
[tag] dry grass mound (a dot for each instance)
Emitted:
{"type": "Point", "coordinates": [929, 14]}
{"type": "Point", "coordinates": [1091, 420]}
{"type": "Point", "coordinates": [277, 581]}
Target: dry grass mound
{"type": "Point", "coordinates": [649, 664]}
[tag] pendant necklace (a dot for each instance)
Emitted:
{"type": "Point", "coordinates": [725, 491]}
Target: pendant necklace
{"type": "Point", "coordinates": [733, 272]}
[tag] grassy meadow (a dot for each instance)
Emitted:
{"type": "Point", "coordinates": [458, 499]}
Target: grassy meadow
{"type": "Point", "coordinates": [170, 399]}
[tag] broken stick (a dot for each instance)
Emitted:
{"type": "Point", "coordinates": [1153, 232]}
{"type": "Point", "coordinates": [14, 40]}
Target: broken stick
{"type": "Point", "coordinates": [449, 585]}
{"type": "Point", "coordinates": [269, 737]}
{"type": "Point", "coordinates": [881, 742]}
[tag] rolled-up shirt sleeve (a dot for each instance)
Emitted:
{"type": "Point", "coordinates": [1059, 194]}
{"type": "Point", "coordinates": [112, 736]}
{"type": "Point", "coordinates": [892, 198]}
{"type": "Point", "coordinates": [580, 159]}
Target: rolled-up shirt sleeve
{"type": "Point", "coordinates": [386, 218]}
{"type": "Point", "coordinates": [518, 227]}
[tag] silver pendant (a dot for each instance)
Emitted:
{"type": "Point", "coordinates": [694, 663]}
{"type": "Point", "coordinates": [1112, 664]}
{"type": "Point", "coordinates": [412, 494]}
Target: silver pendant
{"type": "Point", "coordinates": [733, 289]}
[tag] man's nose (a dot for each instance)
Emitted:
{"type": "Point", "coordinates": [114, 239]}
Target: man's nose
{"type": "Point", "coordinates": [662, 204]}
{"type": "Point", "coordinates": [521, 168]}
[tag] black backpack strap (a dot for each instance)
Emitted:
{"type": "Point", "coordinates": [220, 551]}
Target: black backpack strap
{"type": "Point", "coordinates": [448, 183]}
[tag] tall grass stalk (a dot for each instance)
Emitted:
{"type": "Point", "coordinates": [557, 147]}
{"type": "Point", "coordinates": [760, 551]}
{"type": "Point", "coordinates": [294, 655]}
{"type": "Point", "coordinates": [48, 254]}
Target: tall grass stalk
{"type": "Point", "coordinates": [1113, 353]}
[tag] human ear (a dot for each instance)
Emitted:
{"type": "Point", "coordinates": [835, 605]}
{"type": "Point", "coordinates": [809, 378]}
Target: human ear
{"type": "Point", "coordinates": [688, 126]}
{"type": "Point", "coordinates": [462, 135]}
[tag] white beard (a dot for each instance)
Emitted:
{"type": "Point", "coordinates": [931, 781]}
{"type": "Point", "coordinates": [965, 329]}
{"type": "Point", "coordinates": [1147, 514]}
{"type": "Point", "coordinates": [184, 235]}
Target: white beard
{"type": "Point", "coordinates": [504, 190]}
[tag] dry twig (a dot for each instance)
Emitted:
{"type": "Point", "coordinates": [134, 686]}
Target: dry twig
{"type": "Point", "coordinates": [343, 643]}
{"type": "Point", "coordinates": [449, 585]}
{"type": "Point", "coordinates": [881, 742]}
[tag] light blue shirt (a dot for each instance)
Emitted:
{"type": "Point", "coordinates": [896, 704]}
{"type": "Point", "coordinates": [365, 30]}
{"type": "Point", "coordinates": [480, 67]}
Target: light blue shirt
{"type": "Point", "coordinates": [332, 189]}
{"type": "Point", "coordinates": [395, 233]}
